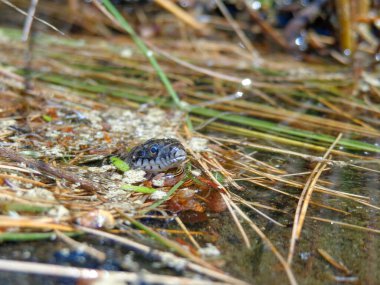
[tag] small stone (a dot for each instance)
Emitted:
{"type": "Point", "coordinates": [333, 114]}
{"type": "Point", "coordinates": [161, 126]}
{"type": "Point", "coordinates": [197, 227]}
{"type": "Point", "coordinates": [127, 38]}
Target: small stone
{"type": "Point", "coordinates": [134, 176]}
{"type": "Point", "coordinates": [198, 144]}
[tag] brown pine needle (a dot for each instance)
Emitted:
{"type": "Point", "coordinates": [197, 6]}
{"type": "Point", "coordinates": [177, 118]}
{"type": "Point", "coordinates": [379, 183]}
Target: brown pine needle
{"type": "Point", "coordinates": [261, 213]}
{"type": "Point", "coordinates": [189, 235]}
{"type": "Point", "coordinates": [338, 265]}
{"type": "Point", "coordinates": [318, 188]}
{"type": "Point", "coordinates": [181, 14]}
{"type": "Point", "coordinates": [304, 200]}
{"type": "Point", "coordinates": [236, 220]}
{"type": "Point", "coordinates": [34, 224]}
{"type": "Point", "coordinates": [23, 179]}
{"type": "Point", "coordinates": [355, 227]}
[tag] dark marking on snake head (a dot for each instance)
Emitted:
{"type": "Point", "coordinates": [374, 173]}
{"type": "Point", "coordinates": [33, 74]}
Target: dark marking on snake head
{"type": "Point", "coordinates": [157, 155]}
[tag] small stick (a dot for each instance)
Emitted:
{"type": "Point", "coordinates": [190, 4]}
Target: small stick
{"type": "Point", "coordinates": [29, 20]}
{"type": "Point", "coordinates": [100, 256]}
{"type": "Point", "coordinates": [267, 28]}
{"type": "Point", "coordinates": [88, 274]}
{"type": "Point", "coordinates": [50, 170]}
{"type": "Point", "coordinates": [168, 258]}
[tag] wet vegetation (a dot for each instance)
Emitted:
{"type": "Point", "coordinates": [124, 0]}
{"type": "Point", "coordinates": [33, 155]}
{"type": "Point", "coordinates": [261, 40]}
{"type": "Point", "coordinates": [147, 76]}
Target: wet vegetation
{"type": "Point", "coordinates": [277, 104]}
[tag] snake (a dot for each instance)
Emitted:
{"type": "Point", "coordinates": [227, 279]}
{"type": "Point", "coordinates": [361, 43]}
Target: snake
{"type": "Point", "coordinates": [157, 155]}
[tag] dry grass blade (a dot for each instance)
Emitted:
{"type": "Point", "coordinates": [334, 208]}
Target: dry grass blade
{"type": "Point", "coordinates": [304, 200]}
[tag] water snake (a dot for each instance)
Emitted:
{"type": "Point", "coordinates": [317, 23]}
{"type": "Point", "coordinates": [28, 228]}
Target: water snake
{"type": "Point", "coordinates": [156, 155]}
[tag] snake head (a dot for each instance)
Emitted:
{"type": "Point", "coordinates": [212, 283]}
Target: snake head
{"type": "Point", "coordinates": [157, 155]}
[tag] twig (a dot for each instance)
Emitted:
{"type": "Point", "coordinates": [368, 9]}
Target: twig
{"type": "Point", "coordinates": [29, 20]}
{"type": "Point", "coordinates": [301, 19]}
{"type": "Point", "coordinates": [248, 45]}
{"type": "Point", "coordinates": [266, 27]}
{"type": "Point", "coordinates": [6, 2]}
{"type": "Point", "coordinates": [45, 168]}
{"type": "Point", "coordinates": [100, 256]}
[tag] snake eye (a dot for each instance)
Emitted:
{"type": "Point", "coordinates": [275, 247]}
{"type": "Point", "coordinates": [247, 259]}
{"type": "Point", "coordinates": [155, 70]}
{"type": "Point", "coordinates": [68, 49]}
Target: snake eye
{"type": "Point", "coordinates": [154, 149]}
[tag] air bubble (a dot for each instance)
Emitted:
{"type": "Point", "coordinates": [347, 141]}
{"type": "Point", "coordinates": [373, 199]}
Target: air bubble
{"type": "Point", "coordinates": [246, 82]}
{"type": "Point", "coordinates": [301, 42]}
{"type": "Point", "coordinates": [256, 5]}
{"type": "Point", "coordinates": [347, 52]}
